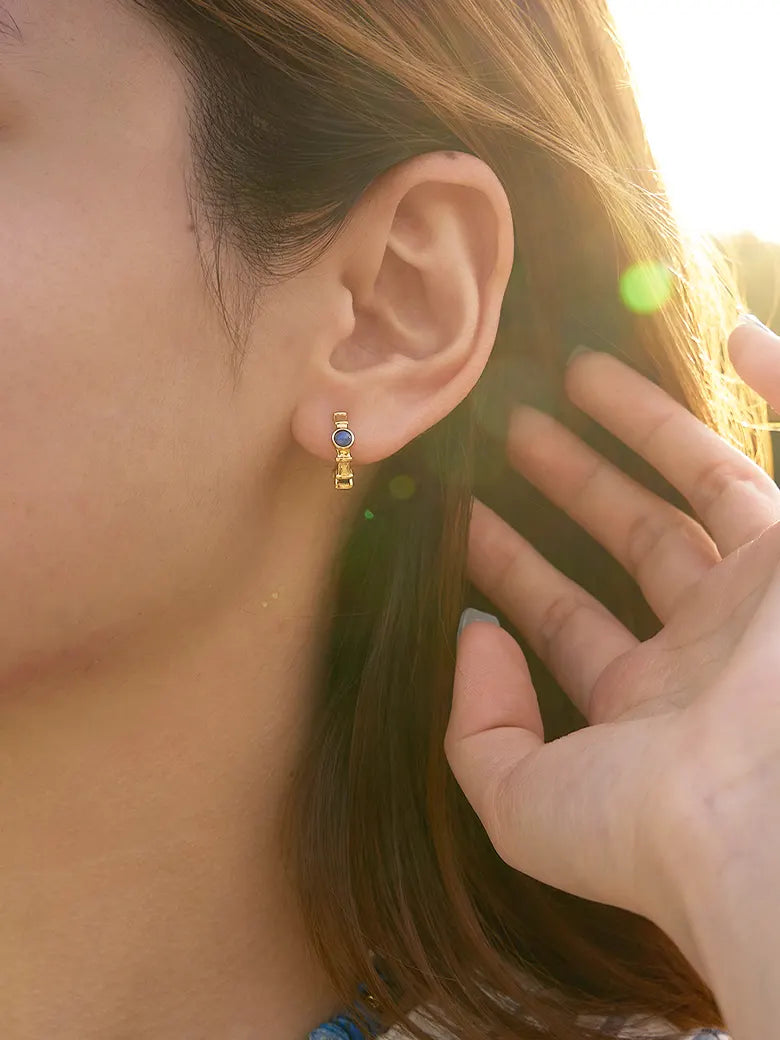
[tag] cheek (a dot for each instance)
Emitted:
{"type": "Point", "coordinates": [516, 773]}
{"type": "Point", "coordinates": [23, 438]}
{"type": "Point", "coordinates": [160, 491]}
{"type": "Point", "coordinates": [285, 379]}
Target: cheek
{"type": "Point", "coordinates": [115, 428]}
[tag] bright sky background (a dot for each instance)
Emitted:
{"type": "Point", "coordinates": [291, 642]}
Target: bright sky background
{"type": "Point", "coordinates": [707, 73]}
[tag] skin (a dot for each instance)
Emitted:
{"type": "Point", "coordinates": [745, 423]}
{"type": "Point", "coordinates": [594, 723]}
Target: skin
{"type": "Point", "coordinates": [166, 538]}
{"type": "Point", "coordinates": [166, 542]}
{"type": "Point", "coordinates": [665, 804]}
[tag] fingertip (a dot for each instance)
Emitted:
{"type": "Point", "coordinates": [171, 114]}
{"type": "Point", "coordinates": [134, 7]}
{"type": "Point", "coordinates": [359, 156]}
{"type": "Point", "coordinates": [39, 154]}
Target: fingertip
{"type": "Point", "coordinates": [755, 354]}
{"type": "Point", "coordinates": [755, 336]}
{"type": "Point", "coordinates": [492, 685]}
{"type": "Point", "coordinates": [751, 321]}
{"type": "Point", "coordinates": [472, 614]}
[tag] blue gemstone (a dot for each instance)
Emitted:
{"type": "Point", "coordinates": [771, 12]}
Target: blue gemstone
{"type": "Point", "coordinates": [344, 438]}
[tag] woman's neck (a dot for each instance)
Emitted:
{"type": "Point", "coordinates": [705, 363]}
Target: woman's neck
{"type": "Point", "coordinates": [141, 880]}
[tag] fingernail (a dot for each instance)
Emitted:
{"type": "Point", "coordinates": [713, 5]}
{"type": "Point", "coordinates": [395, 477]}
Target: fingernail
{"type": "Point", "coordinates": [472, 614]}
{"type": "Point", "coordinates": [580, 349]}
{"type": "Point", "coordinates": [751, 319]}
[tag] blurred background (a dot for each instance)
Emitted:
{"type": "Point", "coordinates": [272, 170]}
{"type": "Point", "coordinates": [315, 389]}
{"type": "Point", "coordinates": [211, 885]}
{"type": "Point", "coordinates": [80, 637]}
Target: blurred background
{"type": "Point", "coordinates": [708, 80]}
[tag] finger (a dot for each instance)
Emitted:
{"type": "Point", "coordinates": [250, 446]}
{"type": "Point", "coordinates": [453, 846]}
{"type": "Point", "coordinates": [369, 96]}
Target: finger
{"type": "Point", "coordinates": [755, 353]}
{"type": "Point", "coordinates": [561, 812]}
{"type": "Point", "coordinates": [734, 497]}
{"type": "Point", "coordinates": [665, 550]}
{"type": "Point", "coordinates": [567, 628]}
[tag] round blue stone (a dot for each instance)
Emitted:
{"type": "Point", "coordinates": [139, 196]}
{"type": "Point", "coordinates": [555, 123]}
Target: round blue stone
{"type": "Point", "coordinates": [344, 438]}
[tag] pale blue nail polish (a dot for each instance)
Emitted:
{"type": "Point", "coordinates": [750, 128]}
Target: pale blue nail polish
{"type": "Point", "coordinates": [580, 349]}
{"type": "Point", "coordinates": [472, 614]}
{"type": "Point", "coordinates": [751, 319]}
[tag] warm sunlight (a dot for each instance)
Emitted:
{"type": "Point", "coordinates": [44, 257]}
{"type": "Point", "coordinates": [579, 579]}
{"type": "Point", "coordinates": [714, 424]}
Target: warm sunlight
{"type": "Point", "coordinates": [707, 76]}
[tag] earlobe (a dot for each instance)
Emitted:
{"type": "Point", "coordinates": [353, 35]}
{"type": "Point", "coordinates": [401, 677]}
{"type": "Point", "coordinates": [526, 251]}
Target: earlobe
{"type": "Point", "coordinates": [426, 259]}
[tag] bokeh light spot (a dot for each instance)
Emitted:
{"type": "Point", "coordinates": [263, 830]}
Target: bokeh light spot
{"type": "Point", "coordinates": [368, 515]}
{"type": "Point", "coordinates": [646, 287]}
{"type": "Point", "coordinates": [402, 486]}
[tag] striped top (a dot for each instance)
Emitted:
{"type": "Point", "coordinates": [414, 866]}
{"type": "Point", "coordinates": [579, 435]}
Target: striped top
{"type": "Point", "coordinates": [344, 1026]}
{"type": "Point", "coordinates": [705, 1033]}
{"type": "Point", "coordinates": [610, 1025]}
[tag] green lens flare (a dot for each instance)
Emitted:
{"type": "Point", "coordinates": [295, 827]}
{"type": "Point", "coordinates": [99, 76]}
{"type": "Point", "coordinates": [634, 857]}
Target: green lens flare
{"type": "Point", "coordinates": [368, 515]}
{"type": "Point", "coordinates": [646, 287]}
{"type": "Point", "coordinates": [402, 486]}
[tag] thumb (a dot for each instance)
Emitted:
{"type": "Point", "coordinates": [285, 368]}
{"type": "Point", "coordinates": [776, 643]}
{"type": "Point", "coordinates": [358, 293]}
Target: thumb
{"type": "Point", "coordinates": [566, 813]}
{"type": "Point", "coordinates": [495, 720]}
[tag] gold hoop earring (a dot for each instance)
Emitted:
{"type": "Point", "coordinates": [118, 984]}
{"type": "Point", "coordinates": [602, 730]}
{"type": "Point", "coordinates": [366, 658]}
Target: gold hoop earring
{"type": "Point", "coordinates": [343, 438]}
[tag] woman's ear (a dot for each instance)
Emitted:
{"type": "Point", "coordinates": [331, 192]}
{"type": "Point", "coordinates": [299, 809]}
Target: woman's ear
{"type": "Point", "coordinates": [421, 267]}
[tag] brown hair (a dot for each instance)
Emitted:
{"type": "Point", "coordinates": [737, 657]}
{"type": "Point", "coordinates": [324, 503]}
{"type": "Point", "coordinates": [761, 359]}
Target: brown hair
{"type": "Point", "coordinates": [297, 105]}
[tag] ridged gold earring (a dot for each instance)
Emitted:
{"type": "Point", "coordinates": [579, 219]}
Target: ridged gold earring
{"type": "Point", "coordinates": [343, 438]}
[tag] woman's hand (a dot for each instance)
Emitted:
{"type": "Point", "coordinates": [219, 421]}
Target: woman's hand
{"type": "Point", "coordinates": [683, 728]}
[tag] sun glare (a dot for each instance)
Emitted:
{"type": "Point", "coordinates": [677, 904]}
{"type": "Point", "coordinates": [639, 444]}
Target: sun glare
{"type": "Point", "coordinates": [706, 72]}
